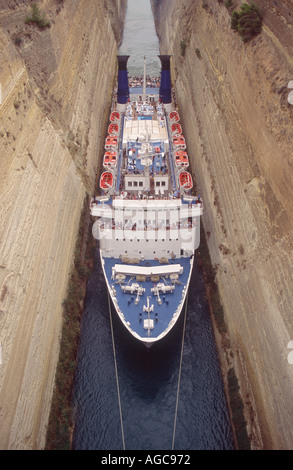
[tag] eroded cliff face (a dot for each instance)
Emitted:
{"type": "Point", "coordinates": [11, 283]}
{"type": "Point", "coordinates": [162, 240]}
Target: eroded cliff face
{"type": "Point", "coordinates": [56, 87]}
{"type": "Point", "coordinates": [232, 98]}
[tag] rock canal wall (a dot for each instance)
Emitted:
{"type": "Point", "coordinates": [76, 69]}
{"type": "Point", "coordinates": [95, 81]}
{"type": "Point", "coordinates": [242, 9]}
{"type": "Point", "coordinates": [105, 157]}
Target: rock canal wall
{"type": "Point", "coordinates": [232, 98]}
{"type": "Point", "coordinates": [56, 87]}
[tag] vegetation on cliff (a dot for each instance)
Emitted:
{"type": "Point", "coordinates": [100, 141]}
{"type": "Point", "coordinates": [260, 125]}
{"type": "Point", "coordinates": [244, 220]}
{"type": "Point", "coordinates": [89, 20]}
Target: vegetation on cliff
{"type": "Point", "coordinates": [237, 410]}
{"type": "Point", "coordinates": [37, 18]}
{"type": "Point", "coordinates": [247, 22]}
{"type": "Point", "coordinates": [183, 46]}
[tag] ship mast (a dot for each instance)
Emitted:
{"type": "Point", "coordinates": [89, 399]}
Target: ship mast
{"type": "Point", "coordinates": [144, 81]}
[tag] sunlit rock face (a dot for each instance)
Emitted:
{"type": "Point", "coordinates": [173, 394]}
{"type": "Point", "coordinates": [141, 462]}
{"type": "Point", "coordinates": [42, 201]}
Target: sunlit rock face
{"type": "Point", "coordinates": [233, 101]}
{"type": "Point", "coordinates": [55, 94]}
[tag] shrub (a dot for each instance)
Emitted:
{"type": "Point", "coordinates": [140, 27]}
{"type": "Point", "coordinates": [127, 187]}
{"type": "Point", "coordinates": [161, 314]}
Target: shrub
{"type": "Point", "coordinates": [37, 17]}
{"type": "Point", "coordinates": [183, 47]}
{"type": "Point", "coordinates": [17, 41]}
{"type": "Point", "coordinates": [198, 54]}
{"type": "Point", "coordinates": [247, 22]}
{"type": "Point", "coordinates": [237, 408]}
{"type": "Point", "coordinates": [229, 4]}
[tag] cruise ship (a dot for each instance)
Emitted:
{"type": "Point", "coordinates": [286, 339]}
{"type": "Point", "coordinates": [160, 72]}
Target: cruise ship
{"type": "Point", "coordinates": [147, 209]}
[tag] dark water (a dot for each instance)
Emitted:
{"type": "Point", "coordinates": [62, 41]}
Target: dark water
{"type": "Point", "coordinates": [148, 379]}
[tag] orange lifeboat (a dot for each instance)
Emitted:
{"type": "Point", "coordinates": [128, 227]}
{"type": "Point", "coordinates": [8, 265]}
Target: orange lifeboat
{"type": "Point", "coordinates": [110, 159]}
{"type": "Point", "coordinates": [185, 180]}
{"type": "Point", "coordinates": [174, 116]}
{"type": "Point", "coordinates": [111, 142]}
{"type": "Point", "coordinates": [113, 129]}
{"type": "Point", "coordinates": [115, 116]}
{"type": "Point", "coordinates": [176, 129]}
{"type": "Point", "coordinates": [179, 141]}
{"type": "Point", "coordinates": [106, 180]}
{"type": "Point", "coordinates": [181, 159]}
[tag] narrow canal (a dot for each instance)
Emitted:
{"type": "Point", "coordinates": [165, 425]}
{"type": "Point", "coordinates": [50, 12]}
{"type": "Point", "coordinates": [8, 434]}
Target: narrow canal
{"type": "Point", "coordinates": [156, 414]}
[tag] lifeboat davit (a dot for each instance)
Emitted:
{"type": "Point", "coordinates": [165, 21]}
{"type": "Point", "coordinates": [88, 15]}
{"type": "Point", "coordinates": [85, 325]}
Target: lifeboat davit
{"type": "Point", "coordinates": [115, 116]}
{"type": "Point", "coordinates": [179, 141]}
{"type": "Point", "coordinates": [176, 129]}
{"type": "Point", "coordinates": [106, 180]}
{"type": "Point", "coordinates": [111, 142]}
{"type": "Point", "coordinates": [181, 159]}
{"type": "Point", "coordinates": [174, 116]}
{"type": "Point", "coordinates": [113, 129]}
{"type": "Point", "coordinates": [110, 159]}
{"type": "Point", "coordinates": [185, 180]}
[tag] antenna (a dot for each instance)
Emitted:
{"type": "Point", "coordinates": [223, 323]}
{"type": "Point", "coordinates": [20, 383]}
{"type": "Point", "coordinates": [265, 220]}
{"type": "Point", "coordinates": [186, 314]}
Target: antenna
{"type": "Point", "coordinates": [144, 81]}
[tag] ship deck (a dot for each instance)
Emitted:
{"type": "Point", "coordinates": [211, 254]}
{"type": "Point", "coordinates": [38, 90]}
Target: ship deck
{"type": "Point", "coordinates": [143, 123]}
{"type": "Point", "coordinates": [163, 312]}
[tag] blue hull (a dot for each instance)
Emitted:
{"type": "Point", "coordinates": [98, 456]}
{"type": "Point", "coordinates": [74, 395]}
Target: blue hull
{"type": "Point", "coordinates": [148, 325]}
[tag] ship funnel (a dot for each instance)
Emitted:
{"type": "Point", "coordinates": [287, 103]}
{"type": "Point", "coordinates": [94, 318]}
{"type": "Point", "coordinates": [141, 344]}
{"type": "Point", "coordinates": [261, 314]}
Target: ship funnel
{"type": "Point", "coordinates": [123, 87]}
{"type": "Point", "coordinates": [165, 87]}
